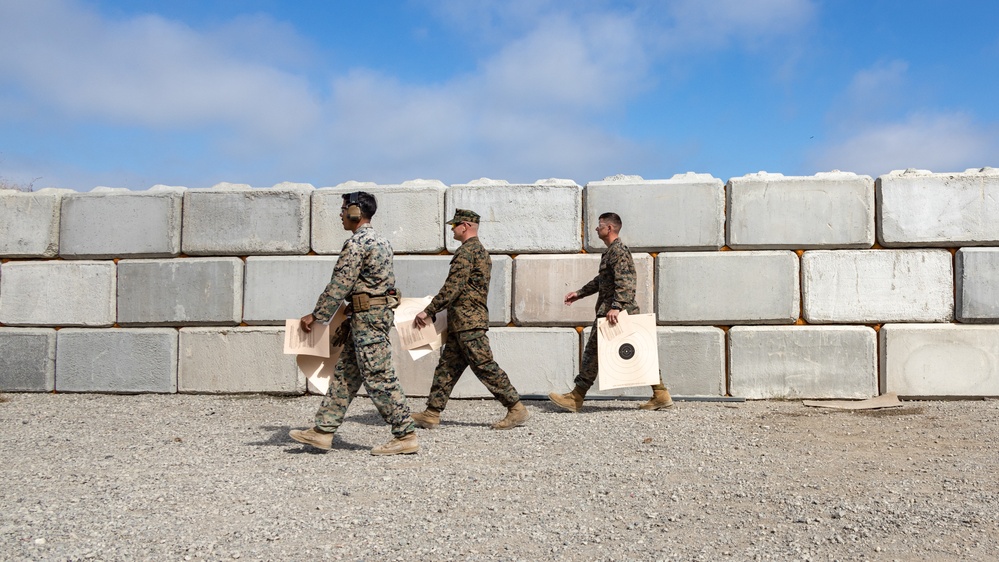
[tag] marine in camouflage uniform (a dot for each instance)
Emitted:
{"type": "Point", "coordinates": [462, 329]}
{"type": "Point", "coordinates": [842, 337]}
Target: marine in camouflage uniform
{"type": "Point", "coordinates": [363, 267]}
{"type": "Point", "coordinates": [614, 286]}
{"type": "Point", "coordinates": [464, 296]}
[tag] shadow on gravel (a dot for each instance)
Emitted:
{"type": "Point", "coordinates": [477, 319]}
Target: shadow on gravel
{"type": "Point", "coordinates": [279, 438]}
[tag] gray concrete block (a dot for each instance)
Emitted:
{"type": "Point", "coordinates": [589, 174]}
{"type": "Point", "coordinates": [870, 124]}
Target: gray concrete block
{"type": "Point", "coordinates": [726, 288]}
{"type": "Point", "coordinates": [977, 274]}
{"type": "Point", "coordinates": [920, 208]}
{"type": "Point", "coordinates": [180, 292]}
{"type": "Point", "coordinates": [236, 360]}
{"type": "Point", "coordinates": [827, 210]}
{"type": "Point", "coordinates": [691, 362]}
{"type": "Point", "coordinates": [117, 360]}
{"type": "Point", "coordinates": [57, 293]}
{"type": "Point", "coordinates": [109, 224]}
{"type": "Point", "coordinates": [246, 221]}
{"type": "Point", "coordinates": [876, 286]}
{"type": "Point", "coordinates": [792, 362]}
{"type": "Point", "coordinates": [410, 216]}
{"type": "Point", "coordinates": [540, 284]}
{"type": "Point", "coordinates": [27, 359]}
{"type": "Point", "coordinates": [421, 276]}
{"type": "Point", "coordinates": [279, 288]}
{"type": "Point", "coordinates": [29, 223]}
{"type": "Point", "coordinates": [932, 360]}
{"type": "Point", "coordinates": [516, 218]}
{"type": "Point", "coordinates": [686, 212]}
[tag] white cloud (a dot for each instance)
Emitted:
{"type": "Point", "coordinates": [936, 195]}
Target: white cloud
{"type": "Point", "coordinates": [698, 23]}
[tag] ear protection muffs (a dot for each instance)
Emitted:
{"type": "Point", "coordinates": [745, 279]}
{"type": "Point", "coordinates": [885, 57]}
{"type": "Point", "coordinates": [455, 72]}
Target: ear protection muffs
{"type": "Point", "coordinates": [354, 206]}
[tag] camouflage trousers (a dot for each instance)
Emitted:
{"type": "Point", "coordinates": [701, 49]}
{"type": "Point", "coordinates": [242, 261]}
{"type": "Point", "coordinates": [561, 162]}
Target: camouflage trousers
{"type": "Point", "coordinates": [589, 368]}
{"type": "Point", "coordinates": [469, 348]}
{"type": "Point", "coordinates": [366, 359]}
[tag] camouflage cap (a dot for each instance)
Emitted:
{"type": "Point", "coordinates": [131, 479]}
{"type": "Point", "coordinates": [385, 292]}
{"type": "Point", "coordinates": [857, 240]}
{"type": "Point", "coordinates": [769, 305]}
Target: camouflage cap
{"type": "Point", "coordinates": [464, 215]}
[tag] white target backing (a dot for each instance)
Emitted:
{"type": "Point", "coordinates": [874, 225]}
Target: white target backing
{"type": "Point", "coordinates": [630, 359]}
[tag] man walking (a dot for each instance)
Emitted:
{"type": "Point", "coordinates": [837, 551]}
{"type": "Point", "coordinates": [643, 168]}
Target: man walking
{"type": "Point", "coordinates": [364, 274]}
{"type": "Point", "coordinates": [615, 287]}
{"type": "Point", "coordinates": [464, 296]}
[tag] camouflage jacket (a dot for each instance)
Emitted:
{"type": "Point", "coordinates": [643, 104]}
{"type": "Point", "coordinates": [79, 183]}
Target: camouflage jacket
{"type": "Point", "coordinates": [465, 291]}
{"type": "Point", "coordinates": [615, 281]}
{"type": "Point", "coordinates": [364, 266]}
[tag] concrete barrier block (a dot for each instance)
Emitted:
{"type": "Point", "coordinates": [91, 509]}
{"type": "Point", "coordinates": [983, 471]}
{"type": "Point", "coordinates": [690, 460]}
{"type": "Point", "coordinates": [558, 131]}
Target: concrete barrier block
{"type": "Point", "coordinates": [113, 223]}
{"type": "Point", "coordinates": [279, 288]}
{"type": "Point", "coordinates": [792, 362]}
{"type": "Point", "coordinates": [942, 360]}
{"type": "Point", "coordinates": [516, 218]}
{"type": "Point", "coordinates": [238, 220]}
{"type": "Point", "coordinates": [686, 212]}
{"type": "Point", "coordinates": [57, 293]}
{"type": "Point", "coordinates": [726, 288]}
{"type": "Point", "coordinates": [540, 284]}
{"type": "Point", "coordinates": [977, 273]}
{"type": "Point", "coordinates": [421, 276]}
{"type": "Point", "coordinates": [410, 216]}
{"type": "Point", "coordinates": [691, 362]}
{"type": "Point", "coordinates": [537, 360]}
{"type": "Point", "coordinates": [180, 292]}
{"type": "Point", "coordinates": [920, 208]}
{"type": "Point", "coordinates": [27, 359]}
{"type": "Point", "coordinates": [827, 210]}
{"type": "Point", "coordinates": [876, 286]}
{"type": "Point", "coordinates": [29, 223]}
{"type": "Point", "coordinates": [117, 360]}
{"type": "Point", "coordinates": [236, 360]}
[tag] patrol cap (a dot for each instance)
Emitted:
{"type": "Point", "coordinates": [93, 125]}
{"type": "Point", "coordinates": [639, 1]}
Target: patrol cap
{"type": "Point", "coordinates": [464, 215]}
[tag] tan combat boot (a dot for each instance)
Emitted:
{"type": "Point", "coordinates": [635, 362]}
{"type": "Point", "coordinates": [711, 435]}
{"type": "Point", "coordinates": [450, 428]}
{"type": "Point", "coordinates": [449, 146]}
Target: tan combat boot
{"type": "Point", "coordinates": [660, 400]}
{"type": "Point", "coordinates": [313, 438]}
{"type": "Point", "coordinates": [427, 419]}
{"type": "Point", "coordinates": [515, 415]}
{"type": "Point", "coordinates": [404, 445]}
{"type": "Point", "coordinates": [572, 401]}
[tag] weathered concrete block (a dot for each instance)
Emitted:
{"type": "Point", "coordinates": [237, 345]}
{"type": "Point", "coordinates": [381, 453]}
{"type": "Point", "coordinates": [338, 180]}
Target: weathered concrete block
{"type": "Point", "coordinates": [57, 293]}
{"type": "Point", "coordinates": [27, 359]}
{"type": "Point", "coordinates": [410, 215]}
{"type": "Point", "coordinates": [920, 208]}
{"type": "Point", "coordinates": [977, 284]}
{"type": "Point", "coordinates": [517, 218]}
{"type": "Point", "coordinates": [940, 360]}
{"type": "Point", "coordinates": [117, 360]}
{"type": "Point", "coordinates": [278, 288]}
{"type": "Point", "coordinates": [540, 284]}
{"type": "Point", "coordinates": [685, 212]}
{"type": "Point", "coordinates": [118, 223]}
{"type": "Point", "coordinates": [245, 221]}
{"type": "Point", "coordinates": [421, 276]}
{"type": "Point", "coordinates": [827, 210]}
{"type": "Point", "coordinates": [725, 288]}
{"type": "Point", "coordinates": [180, 292]}
{"type": "Point", "coordinates": [29, 223]}
{"type": "Point", "coordinates": [875, 286]}
{"type": "Point", "coordinates": [803, 362]}
{"type": "Point", "coordinates": [234, 360]}
{"type": "Point", "coordinates": [691, 362]}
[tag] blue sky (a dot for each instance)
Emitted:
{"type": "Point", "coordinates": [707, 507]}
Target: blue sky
{"type": "Point", "coordinates": [194, 92]}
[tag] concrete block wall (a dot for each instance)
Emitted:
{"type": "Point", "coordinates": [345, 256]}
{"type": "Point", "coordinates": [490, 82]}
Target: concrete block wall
{"type": "Point", "coordinates": [766, 286]}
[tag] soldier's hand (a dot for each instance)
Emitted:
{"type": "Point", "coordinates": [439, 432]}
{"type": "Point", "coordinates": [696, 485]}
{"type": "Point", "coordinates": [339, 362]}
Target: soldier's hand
{"type": "Point", "coordinates": [612, 316]}
{"type": "Point", "coordinates": [421, 320]}
{"type": "Point", "coordinates": [571, 297]}
{"type": "Point", "coordinates": [306, 322]}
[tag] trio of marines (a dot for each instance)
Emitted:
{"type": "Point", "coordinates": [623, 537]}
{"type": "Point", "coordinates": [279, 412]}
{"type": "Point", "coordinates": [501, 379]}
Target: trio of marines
{"type": "Point", "coordinates": [364, 276]}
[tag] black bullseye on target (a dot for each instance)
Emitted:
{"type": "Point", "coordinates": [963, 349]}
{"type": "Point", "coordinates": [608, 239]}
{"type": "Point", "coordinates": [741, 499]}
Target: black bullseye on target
{"type": "Point", "coordinates": [626, 351]}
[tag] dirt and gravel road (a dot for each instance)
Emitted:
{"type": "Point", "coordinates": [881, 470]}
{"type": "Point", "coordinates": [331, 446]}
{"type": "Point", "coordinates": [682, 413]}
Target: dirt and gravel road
{"type": "Point", "coordinates": [183, 477]}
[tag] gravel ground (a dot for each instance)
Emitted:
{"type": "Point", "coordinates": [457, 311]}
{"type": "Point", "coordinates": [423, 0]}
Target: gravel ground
{"type": "Point", "coordinates": [181, 477]}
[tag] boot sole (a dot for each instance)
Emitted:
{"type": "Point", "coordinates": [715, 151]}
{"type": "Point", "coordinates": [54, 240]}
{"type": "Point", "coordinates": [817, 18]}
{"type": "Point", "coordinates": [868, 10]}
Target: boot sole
{"type": "Point", "coordinates": [656, 408]}
{"type": "Point", "coordinates": [310, 443]}
{"type": "Point", "coordinates": [564, 407]}
{"type": "Point", "coordinates": [407, 451]}
{"type": "Point", "coordinates": [518, 423]}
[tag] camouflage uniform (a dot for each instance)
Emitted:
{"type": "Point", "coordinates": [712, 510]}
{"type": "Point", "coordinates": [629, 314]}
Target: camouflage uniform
{"type": "Point", "coordinates": [364, 266]}
{"type": "Point", "coordinates": [615, 285]}
{"type": "Point", "coordinates": [464, 295]}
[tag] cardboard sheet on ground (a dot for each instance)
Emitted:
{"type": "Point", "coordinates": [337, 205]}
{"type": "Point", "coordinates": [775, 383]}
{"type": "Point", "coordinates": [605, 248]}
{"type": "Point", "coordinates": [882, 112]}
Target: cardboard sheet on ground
{"type": "Point", "coordinates": [887, 400]}
{"type": "Point", "coordinates": [317, 367]}
{"type": "Point", "coordinates": [628, 353]}
{"type": "Point", "coordinates": [419, 342]}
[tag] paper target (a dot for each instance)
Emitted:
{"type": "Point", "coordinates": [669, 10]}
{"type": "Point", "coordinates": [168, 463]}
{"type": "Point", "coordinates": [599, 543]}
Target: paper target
{"type": "Point", "coordinates": [630, 359]}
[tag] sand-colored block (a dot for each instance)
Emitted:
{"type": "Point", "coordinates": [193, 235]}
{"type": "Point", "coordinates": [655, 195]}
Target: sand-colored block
{"type": "Point", "coordinates": [237, 360]}
{"type": "Point", "coordinates": [939, 360]}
